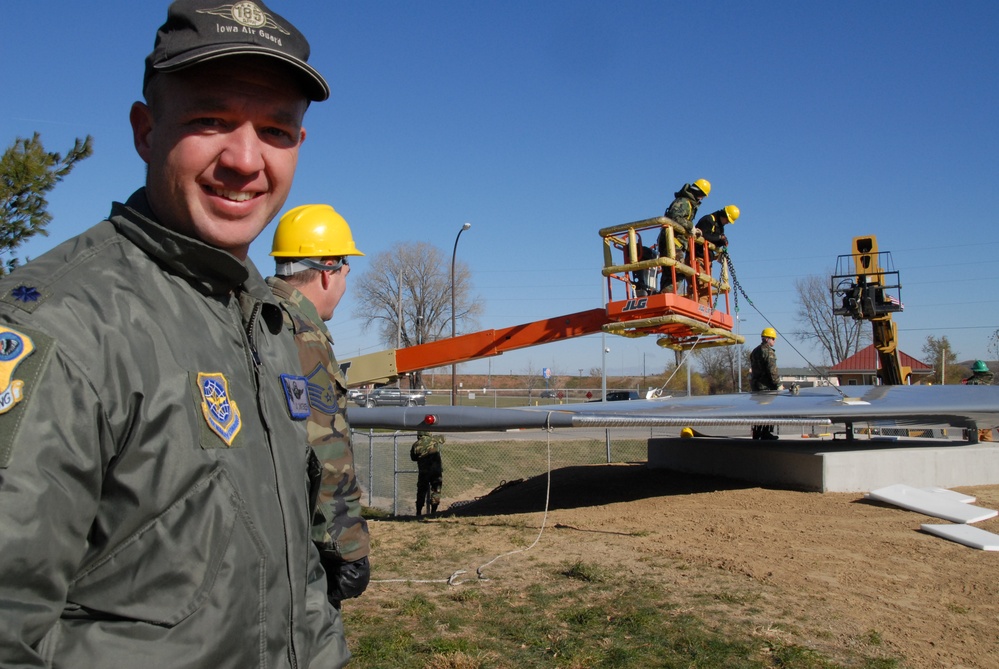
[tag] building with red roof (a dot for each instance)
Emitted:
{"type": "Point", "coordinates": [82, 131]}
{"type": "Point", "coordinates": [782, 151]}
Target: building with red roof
{"type": "Point", "coordinates": [861, 368]}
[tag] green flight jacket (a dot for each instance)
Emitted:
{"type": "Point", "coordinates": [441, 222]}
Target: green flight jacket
{"type": "Point", "coordinates": [153, 481]}
{"type": "Point", "coordinates": [337, 521]}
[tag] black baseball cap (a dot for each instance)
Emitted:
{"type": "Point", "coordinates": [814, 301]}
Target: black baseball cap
{"type": "Point", "coordinates": [200, 30]}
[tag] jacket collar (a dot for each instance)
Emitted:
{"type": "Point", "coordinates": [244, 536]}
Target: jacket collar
{"type": "Point", "coordinates": [213, 271]}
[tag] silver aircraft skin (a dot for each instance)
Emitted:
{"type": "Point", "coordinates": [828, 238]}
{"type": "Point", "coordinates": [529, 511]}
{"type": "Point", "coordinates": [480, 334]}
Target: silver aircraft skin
{"type": "Point", "coordinates": [959, 406]}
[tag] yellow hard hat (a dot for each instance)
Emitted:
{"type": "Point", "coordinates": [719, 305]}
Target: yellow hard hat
{"type": "Point", "coordinates": [686, 433]}
{"type": "Point", "coordinates": [313, 231]}
{"type": "Point", "coordinates": [703, 185]}
{"type": "Point", "coordinates": [769, 332]}
{"type": "Point", "coordinates": [731, 213]}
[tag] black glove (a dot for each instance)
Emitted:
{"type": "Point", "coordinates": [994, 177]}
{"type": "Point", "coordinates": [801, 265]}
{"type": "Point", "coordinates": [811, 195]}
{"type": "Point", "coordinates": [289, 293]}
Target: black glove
{"type": "Point", "coordinates": [348, 580]}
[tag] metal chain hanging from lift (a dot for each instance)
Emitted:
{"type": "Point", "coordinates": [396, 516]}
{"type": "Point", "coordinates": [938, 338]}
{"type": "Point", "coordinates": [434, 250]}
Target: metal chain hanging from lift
{"type": "Point", "coordinates": [727, 259]}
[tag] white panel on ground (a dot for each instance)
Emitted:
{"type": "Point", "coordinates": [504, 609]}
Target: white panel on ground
{"type": "Point", "coordinates": [952, 494]}
{"type": "Point", "coordinates": [931, 504]}
{"type": "Point", "coordinates": [965, 534]}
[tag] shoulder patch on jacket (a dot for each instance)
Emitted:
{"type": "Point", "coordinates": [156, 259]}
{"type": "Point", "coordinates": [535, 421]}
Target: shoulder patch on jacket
{"type": "Point", "coordinates": [297, 394]}
{"type": "Point", "coordinates": [322, 394]}
{"type": "Point", "coordinates": [24, 354]}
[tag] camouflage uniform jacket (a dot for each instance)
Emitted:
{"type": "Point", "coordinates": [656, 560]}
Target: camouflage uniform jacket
{"type": "Point", "coordinates": [979, 379]}
{"type": "Point", "coordinates": [337, 522]}
{"type": "Point", "coordinates": [682, 210]}
{"type": "Point", "coordinates": [425, 452]}
{"type": "Point", "coordinates": [153, 498]}
{"type": "Point", "coordinates": [763, 373]}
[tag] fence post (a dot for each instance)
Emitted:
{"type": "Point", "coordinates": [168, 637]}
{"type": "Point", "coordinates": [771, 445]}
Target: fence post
{"type": "Point", "coordinates": [371, 466]}
{"type": "Point", "coordinates": [607, 440]}
{"type": "Point", "coordinates": [395, 474]}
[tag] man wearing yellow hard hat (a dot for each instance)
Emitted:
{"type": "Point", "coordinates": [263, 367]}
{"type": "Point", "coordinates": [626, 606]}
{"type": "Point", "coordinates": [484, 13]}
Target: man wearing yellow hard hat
{"type": "Point", "coordinates": [712, 228]}
{"type": "Point", "coordinates": [681, 210]}
{"type": "Point", "coordinates": [763, 375]}
{"type": "Point", "coordinates": [312, 247]}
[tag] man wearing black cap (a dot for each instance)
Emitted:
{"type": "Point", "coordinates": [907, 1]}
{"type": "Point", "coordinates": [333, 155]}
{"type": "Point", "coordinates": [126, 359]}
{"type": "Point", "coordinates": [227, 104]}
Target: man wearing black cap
{"type": "Point", "coordinates": [154, 465]}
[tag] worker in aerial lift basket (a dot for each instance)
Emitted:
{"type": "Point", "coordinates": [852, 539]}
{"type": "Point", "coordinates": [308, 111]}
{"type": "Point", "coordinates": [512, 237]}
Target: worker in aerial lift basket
{"type": "Point", "coordinates": [763, 375]}
{"type": "Point", "coordinates": [712, 229]}
{"type": "Point", "coordinates": [682, 210]}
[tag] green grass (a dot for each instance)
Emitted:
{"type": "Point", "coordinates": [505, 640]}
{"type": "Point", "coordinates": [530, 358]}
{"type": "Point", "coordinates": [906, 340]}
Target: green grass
{"type": "Point", "coordinates": [577, 616]}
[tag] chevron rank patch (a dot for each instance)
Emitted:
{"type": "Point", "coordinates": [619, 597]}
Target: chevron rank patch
{"type": "Point", "coordinates": [219, 409]}
{"type": "Point", "coordinates": [14, 348]}
{"type": "Point", "coordinates": [322, 394]}
{"type": "Point", "coordinates": [297, 393]}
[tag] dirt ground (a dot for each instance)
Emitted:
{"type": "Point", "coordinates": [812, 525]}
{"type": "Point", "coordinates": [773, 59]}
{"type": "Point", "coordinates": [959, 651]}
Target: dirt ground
{"type": "Point", "coordinates": [831, 571]}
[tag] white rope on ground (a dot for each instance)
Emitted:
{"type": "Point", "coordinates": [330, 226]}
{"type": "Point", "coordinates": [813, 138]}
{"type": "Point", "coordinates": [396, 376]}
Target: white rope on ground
{"type": "Point", "coordinates": [452, 579]}
{"type": "Point", "coordinates": [544, 520]}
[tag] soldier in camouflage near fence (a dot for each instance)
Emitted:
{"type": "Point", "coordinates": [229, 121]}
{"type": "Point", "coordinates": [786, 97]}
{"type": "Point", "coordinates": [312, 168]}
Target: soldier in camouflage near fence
{"type": "Point", "coordinates": [426, 453]}
{"type": "Point", "coordinates": [311, 247]}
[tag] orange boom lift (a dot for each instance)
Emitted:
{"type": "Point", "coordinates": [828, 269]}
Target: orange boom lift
{"type": "Point", "coordinates": [679, 321]}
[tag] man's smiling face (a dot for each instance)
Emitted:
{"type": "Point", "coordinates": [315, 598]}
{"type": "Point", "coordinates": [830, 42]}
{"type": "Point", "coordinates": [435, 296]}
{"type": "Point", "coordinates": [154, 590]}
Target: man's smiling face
{"type": "Point", "coordinates": [221, 141]}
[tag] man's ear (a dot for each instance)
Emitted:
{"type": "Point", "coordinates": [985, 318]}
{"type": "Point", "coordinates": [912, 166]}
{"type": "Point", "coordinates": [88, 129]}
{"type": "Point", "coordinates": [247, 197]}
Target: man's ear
{"type": "Point", "coordinates": [141, 118]}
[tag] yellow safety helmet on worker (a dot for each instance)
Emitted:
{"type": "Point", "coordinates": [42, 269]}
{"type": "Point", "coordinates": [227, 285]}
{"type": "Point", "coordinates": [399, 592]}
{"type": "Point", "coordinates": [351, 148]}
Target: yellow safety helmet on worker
{"type": "Point", "coordinates": [313, 231]}
{"type": "Point", "coordinates": [731, 213]}
{"type": "Point", "coordinates": [769, 333]}
{"type": "Point", "coordinates": [703, 185]}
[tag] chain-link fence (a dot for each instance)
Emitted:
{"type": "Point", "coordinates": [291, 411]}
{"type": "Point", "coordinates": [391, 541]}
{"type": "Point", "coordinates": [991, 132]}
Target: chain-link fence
{"type": "Point", "coordinates": [477, 463]}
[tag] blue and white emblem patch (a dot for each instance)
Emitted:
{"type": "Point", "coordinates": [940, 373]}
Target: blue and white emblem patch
{"type": "Point", "coordinates": [296, 391]}
{"type": "Point", "coordinates": [220, 411]}
{"type": "Point", "coordinates": [14, 347]}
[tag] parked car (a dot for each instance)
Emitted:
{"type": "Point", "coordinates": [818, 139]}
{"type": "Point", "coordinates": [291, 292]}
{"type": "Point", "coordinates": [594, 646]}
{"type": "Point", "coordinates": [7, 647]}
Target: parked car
{"type": "Point", "coordinates": [354, 394]}
{"type": "Point", "coordinates": [619, 395]}
{"type": "Point", "coordinates": [392, 396]}
{"type": "Point", "coordinates": [549, 393]}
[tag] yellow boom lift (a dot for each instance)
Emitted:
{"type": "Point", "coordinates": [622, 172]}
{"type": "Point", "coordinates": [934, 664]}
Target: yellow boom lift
{"type": "Point", "coordinates": [866, 287]}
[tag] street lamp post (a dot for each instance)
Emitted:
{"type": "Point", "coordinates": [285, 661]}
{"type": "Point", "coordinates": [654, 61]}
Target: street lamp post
{"type": "Point", "coordinates": [454, 367]}
{"type": "Point", "coordinates": [603, 366]}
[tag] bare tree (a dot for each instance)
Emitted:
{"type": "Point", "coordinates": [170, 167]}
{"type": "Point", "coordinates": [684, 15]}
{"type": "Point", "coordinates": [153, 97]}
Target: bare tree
{"type": "Point", "coordinates": [839, 337]}
{"type": "Point", "coordinates": [938, 352]}
{"type": "Point", "coordinates": [532, 377]}
{"type": "Point", "coordinates": [720, 368]}
{"type": "Point", "coordinates": [407, 293]}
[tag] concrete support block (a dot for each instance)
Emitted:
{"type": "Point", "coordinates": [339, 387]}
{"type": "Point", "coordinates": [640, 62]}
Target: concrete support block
{"type": "Point", "coordinates": [827, 466]}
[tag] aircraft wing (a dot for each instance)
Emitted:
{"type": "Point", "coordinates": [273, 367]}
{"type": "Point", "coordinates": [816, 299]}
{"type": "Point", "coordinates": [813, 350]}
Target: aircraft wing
{"type": "Point", "coordinates": [958, 406]}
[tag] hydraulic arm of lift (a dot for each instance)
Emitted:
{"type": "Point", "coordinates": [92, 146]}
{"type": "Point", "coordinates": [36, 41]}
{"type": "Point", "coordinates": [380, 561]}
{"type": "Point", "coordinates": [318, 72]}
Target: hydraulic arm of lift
{"type": "Point", "coordinates": [679, 321]}
{"type": "Point", "coordinates": [872, 292]}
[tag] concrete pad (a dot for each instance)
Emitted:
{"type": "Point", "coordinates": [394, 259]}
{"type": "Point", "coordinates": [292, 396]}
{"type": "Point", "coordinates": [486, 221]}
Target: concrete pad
{"type": "Point", "coordinates": [831, 466]}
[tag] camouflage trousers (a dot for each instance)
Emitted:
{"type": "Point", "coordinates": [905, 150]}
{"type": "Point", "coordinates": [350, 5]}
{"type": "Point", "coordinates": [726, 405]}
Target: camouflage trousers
{"type": "Point", "coordinates": [428, 491]}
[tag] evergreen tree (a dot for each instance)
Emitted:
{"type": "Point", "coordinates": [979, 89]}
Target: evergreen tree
{"type": "Point", "coordinates": [27, 174]}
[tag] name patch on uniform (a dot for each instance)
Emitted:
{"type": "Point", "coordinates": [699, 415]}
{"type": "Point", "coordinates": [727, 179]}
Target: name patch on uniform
{"type": "Point", "coordinates": [322, 394]}
{"type": "Point", "coordinates": [219, 410]}
{"type": "Point", "coordinates": [297, 393]}
{"type": "Point", "coordinates": [14, 348]}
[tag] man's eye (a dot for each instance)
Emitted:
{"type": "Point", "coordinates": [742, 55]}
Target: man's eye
{"type": "Point", "coordinates": [208, 122]}
{"type": "Point", "coordinates": [278, 132]}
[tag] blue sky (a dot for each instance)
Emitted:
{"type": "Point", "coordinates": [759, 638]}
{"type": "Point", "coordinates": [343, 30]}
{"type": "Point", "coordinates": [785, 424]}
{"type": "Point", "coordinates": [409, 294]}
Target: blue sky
{"type": "Point", "coordinates": [542, 122]}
